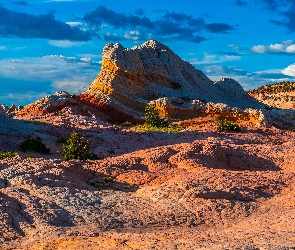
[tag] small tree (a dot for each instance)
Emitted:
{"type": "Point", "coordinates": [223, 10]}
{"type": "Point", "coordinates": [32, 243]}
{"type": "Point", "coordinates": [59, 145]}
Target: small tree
{"type": "Point", "coordinates": [77, 147]}
{"type": "Point", "coordinates": [153, 119]}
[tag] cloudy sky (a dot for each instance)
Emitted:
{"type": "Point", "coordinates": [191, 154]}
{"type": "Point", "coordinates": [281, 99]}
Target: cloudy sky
{"type": "Point", "coordinates": [50, 45]}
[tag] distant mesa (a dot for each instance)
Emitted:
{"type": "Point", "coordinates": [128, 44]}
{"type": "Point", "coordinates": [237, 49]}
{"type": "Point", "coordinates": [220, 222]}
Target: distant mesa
{"type": "Point", "coordinates": [153, 74]}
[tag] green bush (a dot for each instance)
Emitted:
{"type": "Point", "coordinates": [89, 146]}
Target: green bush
{"type": "Point", "coordinates": [34, 144]}
{"type": "Point", "coordinates": [107, 179]}
{"type": "Point", "coordinates": [127, 124]}
{"type": "Point", "coordinates": [61, 140]}
{"type": "Point", "coordinates": [170, 129]}
{"type": "Point", "coordinates": [7, 154]}
{"type": "Point", "coordinates": [77, 147]}
{"type": "Point", "coordinates": [153, 119]}
{"type": "Point", "coordinates": [154, 123]}
{"type": "Point", "coordinates": [227, 125]}
{"type": "Point", "coordinates": [111, 151]}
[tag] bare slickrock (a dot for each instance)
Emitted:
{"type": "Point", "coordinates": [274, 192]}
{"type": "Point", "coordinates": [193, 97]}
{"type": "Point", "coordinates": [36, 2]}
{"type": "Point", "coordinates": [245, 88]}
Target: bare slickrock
{"type": "Point", "coordinates": [12, 109]}
{"type": "Point", "coordinates": [278, 95]}
{"type": "Point", "coordinates": [197, 189]}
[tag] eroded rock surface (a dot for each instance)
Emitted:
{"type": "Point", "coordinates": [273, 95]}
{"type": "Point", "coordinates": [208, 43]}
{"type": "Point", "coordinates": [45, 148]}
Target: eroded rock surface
{"type": "Point", "coordinates": [197, 189]}
{"type": "Point", "coordinates": [48, 104]}
{"type": "Point", "coordinates": [131, 78]}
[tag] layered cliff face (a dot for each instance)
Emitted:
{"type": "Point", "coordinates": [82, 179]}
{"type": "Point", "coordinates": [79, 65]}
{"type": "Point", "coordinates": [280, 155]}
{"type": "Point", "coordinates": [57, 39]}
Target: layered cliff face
{"type": "Point", "coordinates": [132, 78]}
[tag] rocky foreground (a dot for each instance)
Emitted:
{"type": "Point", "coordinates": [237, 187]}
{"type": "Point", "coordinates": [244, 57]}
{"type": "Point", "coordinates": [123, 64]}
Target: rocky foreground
{"type": "Point", "coordinates": [197, 189]}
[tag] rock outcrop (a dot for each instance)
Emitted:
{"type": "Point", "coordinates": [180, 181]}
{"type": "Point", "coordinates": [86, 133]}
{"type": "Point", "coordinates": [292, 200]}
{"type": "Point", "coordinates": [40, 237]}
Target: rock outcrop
{"type": "Point", "coordinates": [48, 104]}
{"type": "Point", "coordinates": [3, 110]}
{"type": "Point", "coordinates": [190, 190]}
{"type": "Point", "coordinates": [132, 78]}
{"type": "Point", "coordinates": [278, 95]}
{"type": "Point", "coordinates": [152, 74]}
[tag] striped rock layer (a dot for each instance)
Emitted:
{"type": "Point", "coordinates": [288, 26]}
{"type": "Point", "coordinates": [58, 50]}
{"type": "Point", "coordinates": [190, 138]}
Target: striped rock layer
{"type": "Point", "coordinates": [153, 74]}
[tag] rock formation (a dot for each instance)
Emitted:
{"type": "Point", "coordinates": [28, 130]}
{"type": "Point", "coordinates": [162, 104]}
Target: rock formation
{"type": "Point", "coordinates": [152, 74]}
{"type": "Point", "coordinates": [191, 190]}
{"type": "Point", "coordinates": [3, 109]}
{"type": "Point", "coordinates": [131, 78]}
{"type": "Point", "coordinates": [48, 104]}
{"type": "Point", "coordinates": [277, 95]}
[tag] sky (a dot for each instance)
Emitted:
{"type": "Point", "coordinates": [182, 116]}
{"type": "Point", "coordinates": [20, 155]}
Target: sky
{"type": "Point", "coordinates": [52, 45]}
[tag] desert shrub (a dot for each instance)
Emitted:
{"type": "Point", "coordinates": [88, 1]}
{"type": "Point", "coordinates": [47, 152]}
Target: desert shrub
{"type": "Point", "coordinates": [34, 144]}
{"type": "Point", "coordinates": [227, 125]}
{"type": "Point", "coordinates": [77, 147]}
{"type": "Point", "coordinates": [61, 140]}
{"type": "Point", "coordinates": [107, 179]}
{"type": "Point", "coordinates": [111, 151]}
{"type": "Point", "coordinates": [270, 107]}
{"type": "Point", "coordinates": [154, 123]}
{"type": "Point", "coordinates": [153, 119]}
{"type": "Point", "coordinates": [127, 124]}
{"type": "Point", "coordinates": [170, 129]}
{"type": "Point", "coordinates": [106, 182]}
{"type": "Point", "coordinates": [7, 154]}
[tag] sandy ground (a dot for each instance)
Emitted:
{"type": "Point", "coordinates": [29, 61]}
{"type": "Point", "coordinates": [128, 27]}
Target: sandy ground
{"type": "Point", "coordinates": [197, 189]}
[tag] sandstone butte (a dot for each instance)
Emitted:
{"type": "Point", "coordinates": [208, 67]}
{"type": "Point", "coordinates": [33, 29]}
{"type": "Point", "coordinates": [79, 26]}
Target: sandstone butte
{"type": "Point", "coordinates": [197, 189]}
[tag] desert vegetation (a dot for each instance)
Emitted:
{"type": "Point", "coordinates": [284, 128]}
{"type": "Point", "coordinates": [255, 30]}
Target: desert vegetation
{"type": "Point", "coordinates": [8, 154]}
{"type": "Point", "coordinates": [153, 122]}
{"type": "Point", "coordinates": [225, 124]}
{"type": "Point", "coordinates": [34, 144]}
{"type": "Point", "coordinates": [77, 147]}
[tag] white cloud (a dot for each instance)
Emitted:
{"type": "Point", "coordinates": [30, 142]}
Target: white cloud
{"type": "Point", "coordinates": [65, 43]}
{"type": "Point", "coordinates": [290, 70]}
{"type": "Point", "coordinates": [290, 49]}
{"type": "Point", "coordinates": [73, 24]}
{"type": "Point", "coordinates": [260, 49]}
{"type": "Point", "coordinates": [63, 73]}
{"type": "Point", "coordinates": [132, 35]}
{"type": "Point", "coordinates": [3, 47]}
{"type": "Point", "coordinates": [90, 55]}
{"type": "Point", "coordinates": [248, 80]}
{"type": "Point", "coordinates": [72, 59]}
{"type": "Point", "coordinates": [287, 46]}
{"type": "Point", "coordinates": [75, 85]}
{"type": "Point", "coordinates": [212, 58]}
{"type": "Point", "coordinates": [234, 46]}
{"type": "Point", "coordinates": [22, 98]}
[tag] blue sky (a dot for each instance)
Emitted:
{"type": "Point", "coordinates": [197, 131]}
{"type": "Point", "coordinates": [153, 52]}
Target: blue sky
{"type": "Point", "coordinates": [51, 45]}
